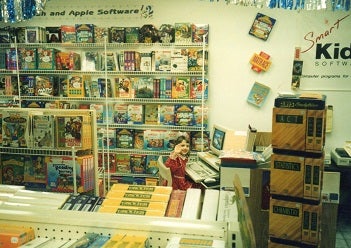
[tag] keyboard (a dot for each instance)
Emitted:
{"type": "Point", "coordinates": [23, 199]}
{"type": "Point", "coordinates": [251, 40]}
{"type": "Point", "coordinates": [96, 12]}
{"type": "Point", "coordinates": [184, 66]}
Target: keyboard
{"type": "Point", "coordinates": [199, 171]}
{"type": "Point", "coordinates": [210, 159]}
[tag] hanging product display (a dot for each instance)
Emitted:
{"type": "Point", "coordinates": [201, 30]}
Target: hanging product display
{"type": "Point", "coordinates": [12, 11]}
{"type": "Point", "coordinates": [334, 5]}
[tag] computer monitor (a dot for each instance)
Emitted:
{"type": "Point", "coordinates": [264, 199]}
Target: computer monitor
{"type": "Point", "coordinates": [223, 138]}
{"type": "Point", "coordinates": [217, 139]}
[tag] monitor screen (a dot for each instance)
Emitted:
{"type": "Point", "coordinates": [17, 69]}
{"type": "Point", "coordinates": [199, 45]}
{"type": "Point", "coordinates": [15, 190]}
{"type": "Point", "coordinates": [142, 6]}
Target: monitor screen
{"type": "Point", "coordinates": [217, 139]}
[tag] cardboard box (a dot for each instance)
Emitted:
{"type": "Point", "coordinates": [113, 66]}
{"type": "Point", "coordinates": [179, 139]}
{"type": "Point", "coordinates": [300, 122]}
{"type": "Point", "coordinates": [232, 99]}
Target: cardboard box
{"type": "Point", "coordinates": [285, 220]}
{"type": "Point", "coordinates": [298, 129]}
{"type": "Point", "coordinates": [289, 129]}
{"type": "Point", "coordinates": [295, 221]}
{"type": "Point", "coordinates": [287, 175]}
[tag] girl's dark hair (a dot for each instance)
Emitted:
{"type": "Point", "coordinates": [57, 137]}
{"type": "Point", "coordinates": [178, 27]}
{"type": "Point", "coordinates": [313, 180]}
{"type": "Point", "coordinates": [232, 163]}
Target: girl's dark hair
{"type": "Point", "coordinates": [180, 140]}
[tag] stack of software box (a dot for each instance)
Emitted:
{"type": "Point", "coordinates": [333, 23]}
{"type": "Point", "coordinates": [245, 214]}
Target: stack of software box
{"type": "Point", "coordinates": [297, 164]}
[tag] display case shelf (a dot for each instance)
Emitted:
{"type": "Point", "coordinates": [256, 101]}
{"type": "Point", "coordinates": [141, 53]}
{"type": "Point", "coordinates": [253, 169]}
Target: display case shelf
{"type": "Point", "coordinates": [109, 73]}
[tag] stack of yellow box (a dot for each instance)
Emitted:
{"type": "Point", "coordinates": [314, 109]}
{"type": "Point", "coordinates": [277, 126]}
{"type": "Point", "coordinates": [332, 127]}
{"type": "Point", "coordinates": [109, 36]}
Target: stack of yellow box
{"type": "Point", "coordinates": [297, 164]}
{"type": "Point", "coordinates": [137, 200]}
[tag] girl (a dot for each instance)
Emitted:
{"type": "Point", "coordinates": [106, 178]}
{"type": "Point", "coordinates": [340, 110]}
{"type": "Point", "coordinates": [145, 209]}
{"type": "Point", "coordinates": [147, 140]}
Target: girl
{"type": "Point", "coordinates": [177, 161]}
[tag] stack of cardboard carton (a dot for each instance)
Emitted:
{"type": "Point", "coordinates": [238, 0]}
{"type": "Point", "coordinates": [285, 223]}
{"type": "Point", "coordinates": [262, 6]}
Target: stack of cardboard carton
{"type": "Point", "coordinates": [297, 164]}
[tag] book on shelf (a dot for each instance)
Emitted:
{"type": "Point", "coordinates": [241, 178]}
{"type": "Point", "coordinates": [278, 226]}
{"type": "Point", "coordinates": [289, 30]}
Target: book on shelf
{"type": "Point", "coordinates": [197, 59]}
{"type": "Point", "coordinates": [123, 163]}
{"type": "Point", "coordinates": [46, 58]}
{"type": "Point", "coordinates": [107, 138]}
{"type": "Point", "coordinates": [101, 34]}
{"type": "Point", "coordinates": [143, 87]}
{"type": "Point", "coordinates": [44, 86]}
{"type": "Point", "coordinates": [181, 87]}
{"type": "Point", "coordinates": [138, 163]}
{"type": "Point", "coordinates": [69, 131]}
{"type": "Point", "coordinates": [117, 34]}
{"type": "Point", "coordinates": [153, 140]}
{"type": "Point", "coordinates": [167, 114]}
{"type": "Point", "coordinates": [179, 60]}
{"type": "Point", "coordinates": [132, 34]}
{"type": "Point", "coordinates": [156, 82]}
{"type": "Point", "coordinates": [15, 128]}
{"type": "Point", "coordinates": [60, 174]}
{"type": "Point", "coordinates": [105, 87]}
{"type": "Point", "coordinates": [184, 115]}
{"type": "Point", "coordinates": [124, 87]}
{"type": "Point", "coordinates": [135, 114]}
{"type": "Point", "coordinates": [75, 86]}
{"type": "Point", "coordinates": [146, 61]}
{"type": "Point", "coordinates": [108, 161]}
{"type": "Point", "coordinates": [125, 138]}
{"type": "Point", "coordinates": [200, 116]}
{"type": "Point", "coordinates": [138, 139]}
{"type": "Point", "coordinates": [130, 60]}
{"type": "Point", "coordinates": [151, 163]}
{"type": "Point", "coordinates": [34, 170]}
{"type": "Point", "coordinates": [120, 113]}
{"type": "Point", "coordinates": [200, 141]}
{"type": "Point", "coordinates": [165, 88]}
{"type": "Point", "coordinates": [199, 33]}
{"type": "Point", "coordinates": [108, 61]}
{"type": "Point", "coordinates": [90, 61]}
{"type": "Point", "coordinates": [53, 34]}
{"type": "Point", "coordinates": [198, 88]}
{"type": "Point", "coordinates": [28, 58]}
{"type": "Point", "coordinates": [151, 114]}
{"type": "Point", "coordinates": [170, 137]}
{"type": "Point", "coordinates": [12, 169]}
{"type": "Point", "coordinates": [43, 131]}
{"type": "Point", "coordinates": [161, 60]}
{"type": "Point", "coordinates": [183, 32]}
{"type": "Point", "coordinates": [68, 33]}
{"type": "Point", "coordinates": [85, 33]}
{"type": "Point", "coordinates": [68, 61]}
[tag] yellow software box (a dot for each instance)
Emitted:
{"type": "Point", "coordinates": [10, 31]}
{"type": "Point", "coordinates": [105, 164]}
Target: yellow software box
{"type": "Point", "coordinates": [137, 195]}
{"type": "Point", "coordinates": [298, 129]}
{"type": "Point", "coordinates": [142, 188]}
{"type": "Point", "coordinates": [289, 129]}
{"type": "Point", "coordinates": [285, 220]}
{"type": "Point", "coordinates": [131, 211]}
{"type": "Point", "coordinates": [287, 175]}
{"type": "Point", "coordinates": [134, 203]}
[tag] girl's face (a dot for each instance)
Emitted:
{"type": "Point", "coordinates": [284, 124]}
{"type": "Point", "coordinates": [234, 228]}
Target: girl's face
{"type": "Point", "coordinates": [184, 147]}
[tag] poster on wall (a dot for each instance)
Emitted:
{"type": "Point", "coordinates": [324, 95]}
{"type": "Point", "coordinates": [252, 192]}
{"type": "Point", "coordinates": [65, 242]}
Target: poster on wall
{"type": "Point", "coordinates": [326, 52]}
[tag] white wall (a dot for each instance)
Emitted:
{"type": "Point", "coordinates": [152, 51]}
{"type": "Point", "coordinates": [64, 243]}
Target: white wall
{"type": "Point", "coordinates": [231, 48]}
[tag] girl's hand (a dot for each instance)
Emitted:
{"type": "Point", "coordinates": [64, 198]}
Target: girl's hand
{"type": "Point", "coordinates": [177, 149]}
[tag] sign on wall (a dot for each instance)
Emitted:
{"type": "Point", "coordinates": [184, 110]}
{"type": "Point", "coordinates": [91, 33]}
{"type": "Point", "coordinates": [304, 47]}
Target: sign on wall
{"type": "Point", "coordinates": [326, 53]}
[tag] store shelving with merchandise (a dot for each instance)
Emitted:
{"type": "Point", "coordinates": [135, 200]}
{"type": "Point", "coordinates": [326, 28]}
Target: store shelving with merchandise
{"type": "Point", "coordinates": [106, 99]}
